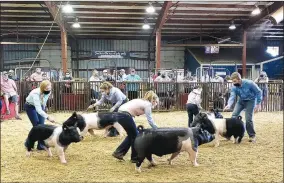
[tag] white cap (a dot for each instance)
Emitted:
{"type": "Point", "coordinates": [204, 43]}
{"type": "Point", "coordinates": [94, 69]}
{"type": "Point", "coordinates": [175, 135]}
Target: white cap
{"type": "Point", "coordinates": [122, 70]}
{"type": "Point", "coordinates": [105, 70]}
{"type": "Point", "coordinates": [11, 70]}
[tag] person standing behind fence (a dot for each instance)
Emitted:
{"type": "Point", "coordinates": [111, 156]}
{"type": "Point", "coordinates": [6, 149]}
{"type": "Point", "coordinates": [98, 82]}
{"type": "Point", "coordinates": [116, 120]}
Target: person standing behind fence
{"type": "Point", "coordinates": [262, 82]}
{"type": "Point", "coordinates": [135, 107]}
{"type": "Point", "coordinates": [193, 104]}
{"type": "Point", "coordinates": [9, 89]}
{"type": "Point", "coordinates": [68, 82]}
{"type": "Point", "coordinates": [250, 97]}
{"type": "Point", "coordinates": [36, 76]}
{"type": "Point", "coordinates": [95, 82]}
{"type": "Point", "coordinates": [105, 76]}
{"type": "Point", "coordinates": [132, 88]}
{"type": "Point", "coordinates": [36, 104]}
{"type": "Point", "coordinates": [115, 96]}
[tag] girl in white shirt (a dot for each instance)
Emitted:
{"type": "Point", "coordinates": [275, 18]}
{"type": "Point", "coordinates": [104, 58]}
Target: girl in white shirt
{"type": "Point", "coordinates": [126, 112]}
{"type": "Point", "coordinates": [193, 104]}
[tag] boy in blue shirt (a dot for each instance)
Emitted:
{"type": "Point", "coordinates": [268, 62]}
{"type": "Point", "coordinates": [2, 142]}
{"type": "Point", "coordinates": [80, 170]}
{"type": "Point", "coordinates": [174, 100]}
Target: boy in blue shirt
{"type": "Point", "coordinates": [249, 98]}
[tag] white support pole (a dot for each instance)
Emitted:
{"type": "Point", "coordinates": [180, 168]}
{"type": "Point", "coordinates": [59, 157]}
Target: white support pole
{"type": "Point", "coordinates": [253, 72]}
{"type": "Point", "coordinates": [261, 66]}
{"type": "Point", "coordinates": [201, 71]}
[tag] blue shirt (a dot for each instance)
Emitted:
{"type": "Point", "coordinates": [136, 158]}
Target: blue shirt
{"type": "Point", "coordinates": [37, 99]}
{"type": "Point", "coordinates": [133, 86]}
{"type": "Point", "coordinates": [247, 91]}
{"type": "Point", "coordinates": [115, 96]}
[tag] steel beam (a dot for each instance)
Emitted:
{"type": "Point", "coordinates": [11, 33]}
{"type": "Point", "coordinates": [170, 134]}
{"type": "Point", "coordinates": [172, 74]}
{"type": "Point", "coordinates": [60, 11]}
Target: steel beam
{"type": "Point", "coordinates": [244, 55]}
{"type": "Point", "coordinates": [64, 51]}
{"type": "Point", "coordinates": [202, 45]}
{"type": "Point", "coordinates": [162, 17]}
{"type": "Point", "coordinates": [158, 49]}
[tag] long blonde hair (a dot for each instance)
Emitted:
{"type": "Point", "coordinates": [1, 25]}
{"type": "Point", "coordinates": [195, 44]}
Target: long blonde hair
{"type": "Point", "coordinates": [43, 85]}
{"type": "Point", "coordinates": [151, 96]}
{"type": "Point", "coordinates": [106, 85]}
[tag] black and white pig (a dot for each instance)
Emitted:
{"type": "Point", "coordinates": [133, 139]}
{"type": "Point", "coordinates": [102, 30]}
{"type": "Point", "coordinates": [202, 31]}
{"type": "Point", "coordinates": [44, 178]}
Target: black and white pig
{"type": "Point", "coordinates": [59, 137]}
{"type": "Point", "coordinates": [226, 127]}
{"type": "Point", "coordinates": [98, 121]}
{"type": "Point", "coordinates": [163, 141]}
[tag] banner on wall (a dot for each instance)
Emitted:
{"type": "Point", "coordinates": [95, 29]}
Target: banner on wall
{"type": "Point", "coordinates": [119, 54]}
{"type": "Point", "coordinates": [211, 49]}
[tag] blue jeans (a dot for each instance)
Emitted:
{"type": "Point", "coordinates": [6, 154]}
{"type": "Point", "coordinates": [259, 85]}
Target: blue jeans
{"type": "Point", "coordinates": [35, 119]}
{"type": "Point", "coordinates": [248, 105]}
{"type": "Point", "coordinates": [112, 131]}
{"type": "Point", "coordinates": [127, 122]}
{"type": "Point", "coordinates": [192, 109]}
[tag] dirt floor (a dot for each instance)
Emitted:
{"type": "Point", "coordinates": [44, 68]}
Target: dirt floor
{"type": "Point", "coordinates": [91, 160]}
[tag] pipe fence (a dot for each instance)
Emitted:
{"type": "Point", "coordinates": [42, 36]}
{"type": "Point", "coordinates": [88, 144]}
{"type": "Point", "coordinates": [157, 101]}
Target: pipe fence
{"type": "Point", "coordinates": [78, 95]}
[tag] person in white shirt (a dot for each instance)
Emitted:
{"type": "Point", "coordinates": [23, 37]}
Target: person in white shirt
{"type": "Point", "coordinates": [262, 82]}
{"type": "Point", "coordinates": [95, 84]}
{"type": "Point", "coordinates": [193, 104]}
{"type": "Point", "coordinates": [127, 111]}
{"type": "Point", "coordinates": [122, 75]}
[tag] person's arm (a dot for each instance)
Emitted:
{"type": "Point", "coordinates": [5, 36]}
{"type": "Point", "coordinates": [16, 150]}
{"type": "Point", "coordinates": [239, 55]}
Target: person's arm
{"type": "Point", "coordinates": [138, 78]}
{"type": "Point", "coordinates": [257, 91]}
{"type": "Point", "coordinates": [148, 113]}
{"type": "Point", "coordinates": [102, 100]}
{"type": "Point", "coordinates": [14, 85]}
{"type": "Point", "coordinates": [38, 108]}
{"type": "Point", "coordinates": [256, 80]}
{"type": "Point", "coordinates": [232, 97]}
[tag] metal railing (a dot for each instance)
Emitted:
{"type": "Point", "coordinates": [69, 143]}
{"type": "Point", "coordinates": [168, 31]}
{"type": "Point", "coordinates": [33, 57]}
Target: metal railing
{"type": "Point", "coordinates": [77, 96]}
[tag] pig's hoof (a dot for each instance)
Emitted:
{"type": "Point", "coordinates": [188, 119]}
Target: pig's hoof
{"type": "Point", "coordinates": [170, 161]}
{"type": "Point", "coordinates": [64, 162]}
{"type": "Point", "coordinates": [138, 169]}
{"type": "Point", "coordinates": [28, 154]}
{"type": "Point", "coordinates": [195, 164]}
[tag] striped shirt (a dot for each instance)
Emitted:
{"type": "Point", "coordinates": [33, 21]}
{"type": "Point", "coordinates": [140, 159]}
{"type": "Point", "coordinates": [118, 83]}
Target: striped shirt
{"type": "Point", "coordinates": [34, 99]}
{"type": "Point", "coordinates": [137, 107]}
{"type": "Point", "coordinates": [115, 96]}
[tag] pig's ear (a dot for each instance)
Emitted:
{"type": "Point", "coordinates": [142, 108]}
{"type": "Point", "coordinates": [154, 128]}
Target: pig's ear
{"type": "Point", "coordinates": [65, 127]}
{"type": "Point", "coordinates": [74, 115]}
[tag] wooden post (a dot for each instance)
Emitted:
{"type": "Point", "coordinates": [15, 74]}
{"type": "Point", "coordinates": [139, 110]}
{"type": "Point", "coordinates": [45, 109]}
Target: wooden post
{"type": "Point", "coordinates": [64, 50]}
{"type": "Point", "coordinates": [244, 58]}
{"type": "Point", "coordinates": [158, 49]}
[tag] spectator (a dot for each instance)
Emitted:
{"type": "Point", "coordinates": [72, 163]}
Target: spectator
{"type": "Point", "coordinates": [36, 76]}
{"type": "Point", "coordinates": [94, 79]}
{"type": "Point", "coordinates": [44, 76]}
{"type": "Point", "coordinates": [67, 85]}
{"type": "Point", "coordinates": [162, 88]}
{"type": "Point", "coordinates": [12, 75]}
{"type": "Point", "coordinates": [218, 79]}
{"type": "Point", "coordinates": [122, 75]}
{"type": "Point", "coordinates": [262, 82]}
{"type": "Point", "coordinates": [193, 103]}
{"type": "Point", "coordinates": [114, 76]}
{"type": "Point", "coordinates": [132, 88]}
{"type": "Point", "coordinates": [9, 89]}
{"type": "Point", "coordinates": [249, 98]}
{"type": "Point", "coordinates": [106, 76]}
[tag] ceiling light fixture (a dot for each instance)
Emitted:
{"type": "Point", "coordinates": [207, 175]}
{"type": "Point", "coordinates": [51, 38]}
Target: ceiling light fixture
{"type": "Point", "coordinates": [67, 8]}
{"type": "Point", "coordinates": [76, 24]}
{"type": "Point", "coordinates": [256, 11]}
{"type": "Point", "coordinates": [146, 25]}
{"type": "Point", "coordinates": [277, 16]}
{"type": "Point", "coordinates": [150, 9]}
{"type": "Point", "coordinates": [232, 26]}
